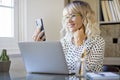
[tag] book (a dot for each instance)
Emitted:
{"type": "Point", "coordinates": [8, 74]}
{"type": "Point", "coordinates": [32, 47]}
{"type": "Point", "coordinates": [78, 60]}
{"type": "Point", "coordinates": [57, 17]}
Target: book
{"type": "Point", "coordinates": [102, 76]}
{"type": "Point", "coordinates": [104, 10]}
{"type": "Point", "coordinates": [116, 4]}
{"type": "Point", "coordinates": [101, 14]}
{"type": "Point", "coordinates": [108, 10]}
{"type": "Point", "coordinates": [112, 11]}
{"type": "Point", "coordinates": [115, 11]}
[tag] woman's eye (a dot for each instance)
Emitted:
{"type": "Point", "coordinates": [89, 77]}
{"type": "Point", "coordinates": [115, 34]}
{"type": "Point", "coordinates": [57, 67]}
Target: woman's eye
{"type": "Point", "coordinates": [67, 17]}
{"type": "Point", "coordinates": [73, 15]}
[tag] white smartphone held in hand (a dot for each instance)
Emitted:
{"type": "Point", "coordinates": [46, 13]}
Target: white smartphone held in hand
{"type": "Point", "coordinates": [39, 23]}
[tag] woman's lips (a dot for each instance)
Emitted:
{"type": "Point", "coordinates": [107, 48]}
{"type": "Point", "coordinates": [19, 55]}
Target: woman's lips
{"type": "Point", "coordinates": [71, 25]}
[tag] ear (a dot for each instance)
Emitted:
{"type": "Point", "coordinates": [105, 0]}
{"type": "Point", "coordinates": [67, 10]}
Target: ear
{"type": "Point", "coordinates": [84, 20]}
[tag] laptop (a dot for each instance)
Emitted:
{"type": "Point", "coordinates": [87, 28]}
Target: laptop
{"type": "Point", "coordinates": [43, 57]}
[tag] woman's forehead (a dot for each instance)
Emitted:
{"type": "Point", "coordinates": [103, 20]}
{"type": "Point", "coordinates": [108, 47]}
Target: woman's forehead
{"type": "Point", "coordinates": [69, 12]}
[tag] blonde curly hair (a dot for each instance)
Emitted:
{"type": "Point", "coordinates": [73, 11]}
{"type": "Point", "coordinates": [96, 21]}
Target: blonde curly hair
{"type": "Point", "coordinates": [88, 18]}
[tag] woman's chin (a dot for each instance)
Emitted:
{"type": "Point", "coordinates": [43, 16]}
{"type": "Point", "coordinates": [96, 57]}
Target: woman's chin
{"type": "Point", "coordinates": [72, 30]}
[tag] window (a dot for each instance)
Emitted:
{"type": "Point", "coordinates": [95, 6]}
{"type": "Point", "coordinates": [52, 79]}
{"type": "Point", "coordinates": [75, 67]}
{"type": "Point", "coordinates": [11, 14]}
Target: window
{"type": "Point", "coordinates": [8, 24]}
{"type": "Point", "coordinates": [7, 18]}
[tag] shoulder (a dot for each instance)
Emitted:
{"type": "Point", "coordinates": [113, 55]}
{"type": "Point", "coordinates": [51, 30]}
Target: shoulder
{"type": "Point", "coordinates": [96, 42]}
{"type": "Point", "coordinates": [99, 41]}
{"type": "Point", "coordinates": [99, 38]}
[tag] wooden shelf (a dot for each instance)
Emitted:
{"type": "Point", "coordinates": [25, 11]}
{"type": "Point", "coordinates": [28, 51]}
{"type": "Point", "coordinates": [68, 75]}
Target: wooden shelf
{"type": "Point", "coordinates": [110, 22]}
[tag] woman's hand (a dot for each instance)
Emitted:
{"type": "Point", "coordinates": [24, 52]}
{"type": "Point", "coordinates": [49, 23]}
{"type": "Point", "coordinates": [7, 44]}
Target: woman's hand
{"type": "Point", "coordinates": [79, 37]}
{"type": "Point", "coordinates": [39, 35]}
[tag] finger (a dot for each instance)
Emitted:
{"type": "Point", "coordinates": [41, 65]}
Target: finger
{"type": "Point", "coordinates": [43, 34]}
{"type": "Point", "coordinates": [36, 33]}
{"type": "Point", "coordinates": [43, 38]}
{"type": "Point", "coordinates": [39, 36]}
{"type": "Point", "coordinates": [38, 39]}
{"type": "Point", "coordinates": [33, 36]}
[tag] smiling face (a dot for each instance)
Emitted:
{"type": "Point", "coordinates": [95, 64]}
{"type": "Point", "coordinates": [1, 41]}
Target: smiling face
{"type": "Point", "coordinates": [86, 19]}
{"type": "Point", "coordinates": [73, 17]}
{"type": "Point", "coordinates": [73, 22]}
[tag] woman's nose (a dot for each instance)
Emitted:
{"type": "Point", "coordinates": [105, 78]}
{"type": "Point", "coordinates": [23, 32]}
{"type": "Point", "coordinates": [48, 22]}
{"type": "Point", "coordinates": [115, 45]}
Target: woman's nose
{"type": "Point", "coordinates": [70, 20]}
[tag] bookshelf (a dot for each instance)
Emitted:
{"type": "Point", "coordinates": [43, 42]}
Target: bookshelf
{"type": "Point", "coordinates": [110, 29]}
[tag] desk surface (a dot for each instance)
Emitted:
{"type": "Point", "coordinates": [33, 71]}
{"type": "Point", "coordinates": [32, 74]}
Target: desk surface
{"type": "Point", "coordinates": [18, 72]}
{"type": "Point", "coordinates": [9, 76]}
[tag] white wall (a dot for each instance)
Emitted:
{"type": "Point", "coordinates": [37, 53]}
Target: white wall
{"type": "Point", "coordinates": [50, 11]}
{"type": "Point", "coordinates": [29, 10]}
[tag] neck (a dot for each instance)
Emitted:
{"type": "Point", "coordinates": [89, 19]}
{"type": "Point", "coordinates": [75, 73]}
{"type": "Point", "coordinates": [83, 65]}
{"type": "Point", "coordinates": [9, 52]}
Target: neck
{"type": "Point", "coordinates": [79, 41]}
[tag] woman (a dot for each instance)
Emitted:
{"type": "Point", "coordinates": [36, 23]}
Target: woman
{"type": "Point", "coordinates": [81, 33]}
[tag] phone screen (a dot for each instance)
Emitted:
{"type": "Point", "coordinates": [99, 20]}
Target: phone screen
{"type": "Point", "coordinates": [39, 23]}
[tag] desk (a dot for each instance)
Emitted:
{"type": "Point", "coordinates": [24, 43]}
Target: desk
{"type": "Point", "coordinates": [18, 72]}
{"type": "Point", "coordinates": [9, 76]}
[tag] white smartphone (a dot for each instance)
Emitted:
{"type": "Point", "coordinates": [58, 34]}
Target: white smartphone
{"type": "Point", "coordinates": [39, 23]}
